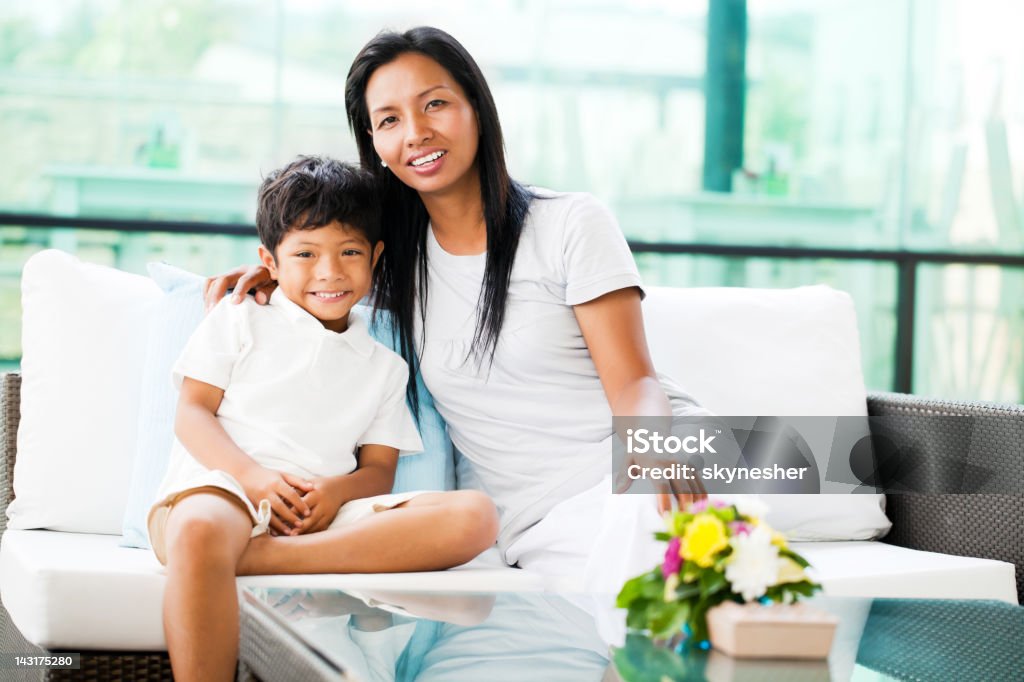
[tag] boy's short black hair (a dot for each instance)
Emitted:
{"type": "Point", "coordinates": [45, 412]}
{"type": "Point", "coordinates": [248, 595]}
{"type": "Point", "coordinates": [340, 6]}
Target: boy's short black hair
{"type": "Point", "coordinates": [311, 192]}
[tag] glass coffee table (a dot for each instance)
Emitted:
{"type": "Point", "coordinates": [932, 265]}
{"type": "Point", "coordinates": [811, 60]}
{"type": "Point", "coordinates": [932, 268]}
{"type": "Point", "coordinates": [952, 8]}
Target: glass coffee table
{"type": "Point", "coordinates": [377, 636]}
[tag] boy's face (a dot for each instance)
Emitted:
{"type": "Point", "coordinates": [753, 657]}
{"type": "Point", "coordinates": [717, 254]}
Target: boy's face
{"type": "Point", "coordinates": [325, 270]}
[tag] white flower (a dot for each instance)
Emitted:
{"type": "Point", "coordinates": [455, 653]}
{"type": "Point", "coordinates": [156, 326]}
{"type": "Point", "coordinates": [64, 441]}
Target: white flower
{"type": "Point", "coordinates": [754, 564]}
{"type": "Point", "coordinates": [751, 506]}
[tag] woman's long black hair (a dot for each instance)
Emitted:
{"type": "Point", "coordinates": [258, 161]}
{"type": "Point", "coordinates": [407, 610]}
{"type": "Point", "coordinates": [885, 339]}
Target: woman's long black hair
{"type": "Point", "coordinates": [404, 216]}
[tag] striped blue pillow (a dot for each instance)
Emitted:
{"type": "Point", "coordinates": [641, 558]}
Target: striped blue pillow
{"type": "Point", "coordinates": [178, 313]}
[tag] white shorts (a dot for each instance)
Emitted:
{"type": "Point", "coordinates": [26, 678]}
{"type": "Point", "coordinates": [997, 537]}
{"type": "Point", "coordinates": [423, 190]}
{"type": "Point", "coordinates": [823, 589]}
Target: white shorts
{"type": "Point", "coordinates": [225, 485]}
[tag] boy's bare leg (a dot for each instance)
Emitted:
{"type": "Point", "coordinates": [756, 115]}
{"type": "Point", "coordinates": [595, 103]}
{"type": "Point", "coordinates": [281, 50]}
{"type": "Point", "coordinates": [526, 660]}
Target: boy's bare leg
{"type": "Point", "coordinates": [430, 532]}
{"type": "Point", "coordinates": [205, 534]}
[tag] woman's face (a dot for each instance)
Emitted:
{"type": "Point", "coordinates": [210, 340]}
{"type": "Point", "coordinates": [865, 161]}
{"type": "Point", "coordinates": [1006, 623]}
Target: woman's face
{"type": "Point", "coordinates": [423, 125]}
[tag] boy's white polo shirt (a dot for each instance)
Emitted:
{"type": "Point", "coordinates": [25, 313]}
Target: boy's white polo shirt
{"type": "Point", "coordinates": [298, 398]}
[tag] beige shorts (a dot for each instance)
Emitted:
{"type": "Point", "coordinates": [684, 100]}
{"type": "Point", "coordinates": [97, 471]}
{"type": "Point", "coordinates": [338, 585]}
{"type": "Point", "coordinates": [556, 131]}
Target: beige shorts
{"type": "Point", "coordinates": [224, 485]}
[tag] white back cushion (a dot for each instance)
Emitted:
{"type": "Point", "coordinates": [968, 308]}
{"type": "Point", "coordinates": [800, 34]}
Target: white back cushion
{"type": "Point", "coordinates": [83, 340]}
{"type": "Point", "coordinates": [771, 352]}
{"type": "Point", "coordinates": [778, 352]}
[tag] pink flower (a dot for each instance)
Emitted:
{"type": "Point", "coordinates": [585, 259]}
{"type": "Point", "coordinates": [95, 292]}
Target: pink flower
{"type": "Point", "coordinates": [698, 507]}
{"type": "Point", "coordinates": [740, 528]}
{"type": "Point", "coordinates": [702, 505]}
{"type": "Point", "coordinates": [673, 561]}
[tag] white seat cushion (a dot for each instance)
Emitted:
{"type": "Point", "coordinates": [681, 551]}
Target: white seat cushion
{"type": "Point", "coordinates": [876, 569]}
{"type": "Point", "coordinates": [80, 591]}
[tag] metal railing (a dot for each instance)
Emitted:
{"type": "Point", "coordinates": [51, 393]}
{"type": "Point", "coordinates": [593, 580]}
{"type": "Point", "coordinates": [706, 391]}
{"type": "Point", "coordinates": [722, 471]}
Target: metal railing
{"type": "Point", "coordinates": [906, 262]}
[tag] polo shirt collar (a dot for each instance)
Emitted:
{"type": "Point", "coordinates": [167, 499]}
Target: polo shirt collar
{"type": "Point", "coordinates": [357, 336]}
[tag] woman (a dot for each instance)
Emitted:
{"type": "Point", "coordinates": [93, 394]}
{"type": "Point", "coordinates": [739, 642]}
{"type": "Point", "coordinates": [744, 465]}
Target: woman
{"type": "Point", "coordinates": [521, 308]}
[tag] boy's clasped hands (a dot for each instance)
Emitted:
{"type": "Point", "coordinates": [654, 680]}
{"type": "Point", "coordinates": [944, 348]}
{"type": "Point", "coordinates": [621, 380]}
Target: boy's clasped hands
{"type": "Point", "coordinates": [298, 505]}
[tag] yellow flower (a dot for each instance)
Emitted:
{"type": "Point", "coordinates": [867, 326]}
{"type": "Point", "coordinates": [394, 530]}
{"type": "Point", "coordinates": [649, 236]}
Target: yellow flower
{"type": "Point", "coordinates": [790, 571]}
{"type": "Point", "coordinates": [778, 539]}
{"type": "Point", "coordinates": [704, 537]}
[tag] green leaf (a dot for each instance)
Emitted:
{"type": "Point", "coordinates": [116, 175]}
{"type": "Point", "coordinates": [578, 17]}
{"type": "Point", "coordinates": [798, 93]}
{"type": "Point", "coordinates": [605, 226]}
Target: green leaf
{"type": "Point", "coordinates": [642, 659]}
{"type": "Point", "coordinates": [650, 585]}
{"type": "Point", "coordinates": [805, 588]}
{"type": "Point", "coordinates": [636, 618]}
{"type": "Point", "coordinates": [654, 584]}
{"type": "Point", "coordinates": [699, 615]}
{"type": "Point", "coordinates": [712, 582]}
{"type": "Point", "coordinates": [630, 592]}
{"type": "Point", "coordinates": [679, 522]}
{"type": "Point", "coordinates": [795, 557]}
{"type": "Point", "coordinates": [687, 590]}
{"type": "Point", "coordinates": [725, 514]}
{"type": "Point", "coordinates": [662, 536]}
{"type": "Point", "coordinates": [665, 623]}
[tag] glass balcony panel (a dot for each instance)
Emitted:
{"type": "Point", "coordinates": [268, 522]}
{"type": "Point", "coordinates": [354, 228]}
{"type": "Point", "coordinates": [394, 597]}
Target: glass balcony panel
{"type": "Point", "coordinates": [969, 340]}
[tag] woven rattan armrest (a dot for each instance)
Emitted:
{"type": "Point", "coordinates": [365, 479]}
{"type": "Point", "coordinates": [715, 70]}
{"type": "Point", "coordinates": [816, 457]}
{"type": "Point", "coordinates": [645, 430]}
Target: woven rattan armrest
{"type": "Point", "coordinates": [10, 415]}
{"type": "Point", "coordinates": [984, 525]}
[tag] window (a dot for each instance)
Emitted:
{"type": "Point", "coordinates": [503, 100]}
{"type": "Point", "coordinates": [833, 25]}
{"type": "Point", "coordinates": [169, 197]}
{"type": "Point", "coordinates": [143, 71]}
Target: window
{"type": "Point", "coordinates": [892, 125]}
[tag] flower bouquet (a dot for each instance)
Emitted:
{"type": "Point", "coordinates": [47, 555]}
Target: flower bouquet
{"type": "Point", "coordinates": [716, 553]}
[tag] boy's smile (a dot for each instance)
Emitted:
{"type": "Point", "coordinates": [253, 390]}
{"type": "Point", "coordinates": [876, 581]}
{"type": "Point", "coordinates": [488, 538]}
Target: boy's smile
{"type": "Point", "coordinates": [324, 270]}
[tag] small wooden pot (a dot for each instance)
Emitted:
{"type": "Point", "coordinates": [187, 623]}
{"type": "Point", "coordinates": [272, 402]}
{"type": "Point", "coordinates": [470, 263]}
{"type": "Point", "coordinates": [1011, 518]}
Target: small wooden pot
{"type": "Point", "coordinates": [772, 631]}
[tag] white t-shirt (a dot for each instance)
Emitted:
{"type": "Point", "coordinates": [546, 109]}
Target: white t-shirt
{"type": "Point", "coordinates": [298, 398]}
{"type": "Point", "coordinates": [534, 428]}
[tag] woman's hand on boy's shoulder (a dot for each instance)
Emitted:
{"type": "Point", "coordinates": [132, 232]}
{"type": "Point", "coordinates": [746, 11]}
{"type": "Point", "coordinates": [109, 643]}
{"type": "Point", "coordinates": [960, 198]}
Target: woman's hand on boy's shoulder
{"type": "Point", "coordinates": [242, 279]}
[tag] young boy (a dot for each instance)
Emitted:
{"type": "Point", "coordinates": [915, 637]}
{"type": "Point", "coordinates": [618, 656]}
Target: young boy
{"type": "Point", "coordinates": [291, 418]}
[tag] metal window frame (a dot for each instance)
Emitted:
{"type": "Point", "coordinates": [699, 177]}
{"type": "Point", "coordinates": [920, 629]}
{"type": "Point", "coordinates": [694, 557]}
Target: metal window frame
{"type": "Point", "coordinates": [906, 262]}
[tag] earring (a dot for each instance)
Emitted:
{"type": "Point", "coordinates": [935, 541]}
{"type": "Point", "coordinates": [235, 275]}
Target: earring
{"type": "Point", "coordinates": [383, 163]}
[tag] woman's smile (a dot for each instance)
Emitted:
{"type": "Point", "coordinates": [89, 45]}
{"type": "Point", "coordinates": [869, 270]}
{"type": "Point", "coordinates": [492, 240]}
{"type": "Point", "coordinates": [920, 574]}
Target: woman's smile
{"type": "Point", "coordinates": [425, 162]}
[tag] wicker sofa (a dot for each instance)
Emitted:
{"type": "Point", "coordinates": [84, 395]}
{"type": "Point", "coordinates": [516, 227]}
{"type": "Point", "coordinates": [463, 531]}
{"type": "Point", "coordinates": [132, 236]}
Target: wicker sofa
{"type": "Point", "coordinates": [978, 525]}
{"type": "Point", "coordinates": [804, 359]}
